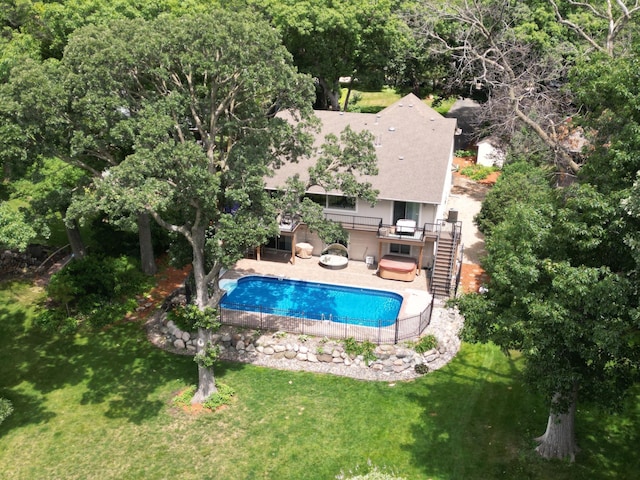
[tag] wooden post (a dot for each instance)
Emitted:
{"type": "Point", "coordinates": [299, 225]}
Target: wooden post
{"type": "Point", "coordinates": [293, 249]}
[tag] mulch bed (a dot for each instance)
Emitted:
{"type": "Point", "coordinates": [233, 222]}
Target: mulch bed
{"type": "Point", "coordinates": [168, 279]}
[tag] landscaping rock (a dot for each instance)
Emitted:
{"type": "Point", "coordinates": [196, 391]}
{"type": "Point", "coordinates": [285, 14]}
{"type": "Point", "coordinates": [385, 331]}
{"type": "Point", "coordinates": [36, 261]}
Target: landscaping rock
{"type": "Point", "coordinates": [291, 352]}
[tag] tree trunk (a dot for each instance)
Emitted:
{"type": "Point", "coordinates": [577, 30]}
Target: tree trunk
{"type": "Point", "coordinates": [349, 89]}
{"type": "Point", "coordinates": [199, 274]}
{"type": "Point", "coordinates": [559, 440]}
{"type": "Point", "coordinates": [147, 259]}
{"type": "Point", "coordinates": [75, 240]}
{"type": "Point", "coordinates": [206, 377]}
{"type": "Point", "coordinates": [333, 96]}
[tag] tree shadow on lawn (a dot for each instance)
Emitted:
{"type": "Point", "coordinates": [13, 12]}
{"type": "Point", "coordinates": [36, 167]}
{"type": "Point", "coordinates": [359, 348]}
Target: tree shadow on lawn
{"type": "Point", "coordinates": [479, 423]}
{"type": "Point", "coordinates": [127, 370]}
{"type": "Point", "coordinates": [117, 366]}
{"type": "Point", "coordinates": [124, 370]}
{"type": "Point", "coordinates": [20, 359]}
{"type": "Point", "coordinates": [610, 441]}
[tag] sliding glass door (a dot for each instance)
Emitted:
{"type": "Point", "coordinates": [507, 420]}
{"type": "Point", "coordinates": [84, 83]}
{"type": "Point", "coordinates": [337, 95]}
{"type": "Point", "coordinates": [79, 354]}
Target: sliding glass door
{"type": "Point", "coordinates": [407, 210]}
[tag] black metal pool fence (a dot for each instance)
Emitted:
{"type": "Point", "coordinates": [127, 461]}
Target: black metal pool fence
{"type": "Point", "coordinates": [273, 319]}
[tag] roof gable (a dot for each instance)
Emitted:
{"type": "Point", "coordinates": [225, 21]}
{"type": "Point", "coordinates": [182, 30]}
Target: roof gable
{"type": "Point", "coordinates": [414, 146]}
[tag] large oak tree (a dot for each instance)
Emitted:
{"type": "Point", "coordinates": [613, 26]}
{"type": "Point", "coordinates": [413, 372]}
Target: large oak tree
{"type": "Point", "coordinates": [206, 91]}
{"type": "Point", "coordinates": [562, 292]}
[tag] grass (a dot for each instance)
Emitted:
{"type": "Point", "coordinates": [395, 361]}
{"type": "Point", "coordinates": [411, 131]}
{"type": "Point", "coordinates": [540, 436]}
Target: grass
{"type": "Point", "coordinates": [374, 101]}
{"type": "Point", "coordinates": [100, 407]}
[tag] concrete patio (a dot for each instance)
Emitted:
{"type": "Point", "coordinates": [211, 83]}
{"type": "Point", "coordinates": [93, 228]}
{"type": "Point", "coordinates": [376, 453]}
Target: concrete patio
{"type": "Point", "coordinates": [356, 273]}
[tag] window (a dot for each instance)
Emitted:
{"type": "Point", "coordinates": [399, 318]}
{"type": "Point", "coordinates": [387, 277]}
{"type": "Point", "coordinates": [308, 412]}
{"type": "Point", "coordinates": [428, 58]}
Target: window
{"type": "Point", "coordinates": [341, 203]}
{"type": "Point", "coordinates": [335, 202]}
{"type": "Point", "coordinates": [317, 198]}
{"type": "Point", "coordinates": [401, 249]}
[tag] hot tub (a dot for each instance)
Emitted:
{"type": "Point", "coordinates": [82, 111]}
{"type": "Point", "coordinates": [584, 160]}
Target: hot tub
{"type": "Point", "coordinates": [395, 267]}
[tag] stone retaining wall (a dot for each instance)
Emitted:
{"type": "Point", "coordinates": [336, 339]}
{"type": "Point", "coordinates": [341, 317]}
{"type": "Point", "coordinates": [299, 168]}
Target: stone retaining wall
{"type": "Point", "coordinates": [292, 352]}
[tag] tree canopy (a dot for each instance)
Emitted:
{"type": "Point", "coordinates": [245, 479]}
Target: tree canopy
{"type": "Point", "coordinates": [198, 95]}
{"type": "Point", "coordinates": [331, 39]}
{"type": "Point", "coordinates": [563, 292]}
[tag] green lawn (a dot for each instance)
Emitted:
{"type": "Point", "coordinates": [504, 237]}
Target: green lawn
{"type": "Point", "coordinates": [98, 407]}
{"type": "Point", "coordinates": [372, 102]}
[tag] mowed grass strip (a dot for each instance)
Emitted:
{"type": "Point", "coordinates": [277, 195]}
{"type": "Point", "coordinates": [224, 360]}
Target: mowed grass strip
{"type": "Point", "coordinates": [98, 406]}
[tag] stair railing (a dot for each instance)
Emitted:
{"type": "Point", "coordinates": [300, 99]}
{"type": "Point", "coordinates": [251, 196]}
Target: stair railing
{"type": "Point", "coordinates": [456, 230]}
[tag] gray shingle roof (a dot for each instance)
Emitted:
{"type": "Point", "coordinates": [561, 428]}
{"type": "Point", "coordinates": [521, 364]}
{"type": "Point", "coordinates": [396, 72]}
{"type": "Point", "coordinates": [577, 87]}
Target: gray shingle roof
{"type": "Point", "coordinates": [413, 144]}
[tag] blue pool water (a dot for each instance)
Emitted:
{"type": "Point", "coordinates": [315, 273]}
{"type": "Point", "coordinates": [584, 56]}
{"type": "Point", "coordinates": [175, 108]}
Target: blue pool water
{"type": "Point", "coordinates": [316, 301]}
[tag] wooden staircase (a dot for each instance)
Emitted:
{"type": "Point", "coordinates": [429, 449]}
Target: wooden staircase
{"type": "Point", "coordinates": [443, 274]}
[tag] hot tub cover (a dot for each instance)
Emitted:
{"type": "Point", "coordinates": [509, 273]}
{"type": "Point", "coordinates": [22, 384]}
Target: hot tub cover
{"type": "Point", "coordinates": [396, 263]}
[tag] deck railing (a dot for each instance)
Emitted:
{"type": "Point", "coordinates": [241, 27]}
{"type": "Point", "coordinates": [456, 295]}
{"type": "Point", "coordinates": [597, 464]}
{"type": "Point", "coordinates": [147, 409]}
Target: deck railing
{"type": "Point", "coordinates": [265, 318]}
{"type": "Point", "coordinates": [355, 222]}
{"type": "Point", "coordinates": [427, 230]}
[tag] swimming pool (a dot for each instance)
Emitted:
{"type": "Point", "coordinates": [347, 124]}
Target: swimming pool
{"type": "Point", "coordinates": [314, 301]}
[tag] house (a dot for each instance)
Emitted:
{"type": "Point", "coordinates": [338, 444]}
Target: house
{"type": "Point", "coordinates": [415, 148]}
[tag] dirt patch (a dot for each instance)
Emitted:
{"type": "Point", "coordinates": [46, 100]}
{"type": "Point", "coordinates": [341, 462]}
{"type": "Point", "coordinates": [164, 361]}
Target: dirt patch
{"type": "Point", "coordinates": [472, 277]}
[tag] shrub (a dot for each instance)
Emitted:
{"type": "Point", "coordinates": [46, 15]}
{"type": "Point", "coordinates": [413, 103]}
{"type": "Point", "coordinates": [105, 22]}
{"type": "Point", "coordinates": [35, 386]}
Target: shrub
{"type": "Point", "coordinates": [421, 368]}
{"type": "Point", "coordinates": [477, 172]}
{"type": "Point", "coordinates": [465, 153]}
{"type": "Point", "coordinates": [366, 349]}
{"type": "Point", "coordinates": [189, 317]}
{"type": "Point", "coordinates": [221, 397]}
{"type": "Point", "coordinates": [426, 343]}
{"type": "Point", "coordinates": [95, 290]}
{"type": "Point", "coordinates": [183, 399]}
{"type": "Point", "coordinates": [6, 409]}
